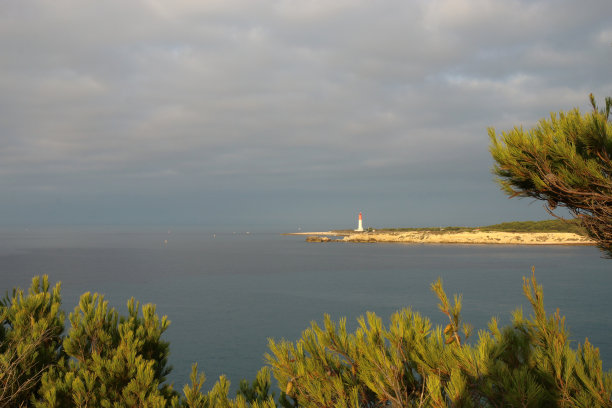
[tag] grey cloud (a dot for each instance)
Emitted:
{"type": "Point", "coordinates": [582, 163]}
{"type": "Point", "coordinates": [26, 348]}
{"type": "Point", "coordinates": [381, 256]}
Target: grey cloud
{"type": "Point", "coordinates": [152, 96]}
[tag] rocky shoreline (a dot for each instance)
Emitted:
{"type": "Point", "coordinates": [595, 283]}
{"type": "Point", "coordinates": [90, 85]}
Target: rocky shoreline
{"type": "Point", "coordinates": [443, 237]}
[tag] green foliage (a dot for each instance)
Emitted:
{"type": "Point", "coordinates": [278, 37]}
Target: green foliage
{"type": "Point", "coordinates": [259, 389]}
{"type": "Point", "coordinates": [111, 361]}
{"type": "Point", "coordinates": [30, 338]}
{"type": "Point", "coordinates": [565, 161]}
{"type": "Point", "coordinates": [555, 225]}
{"type": "Point", "coordinates": [410, 364]}
{"type": "Point", "coordinates": [254, 395]}
{"type": "Point", "coordinates": [107, 360]}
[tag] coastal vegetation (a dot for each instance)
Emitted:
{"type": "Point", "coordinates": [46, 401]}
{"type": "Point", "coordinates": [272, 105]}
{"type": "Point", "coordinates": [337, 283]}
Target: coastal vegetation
{"type": "Point", "coordinates": [104, 360]}
{"type": "Point", "coordinates": [566, 161]}
{"type": "Point", "coordinates": [107, 360]}
{"type": "Point", "coordinates": [556, 225]}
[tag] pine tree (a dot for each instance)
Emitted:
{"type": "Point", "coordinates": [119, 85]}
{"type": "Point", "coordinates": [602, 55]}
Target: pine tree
{"type": "Point", "coordinates": [31, 326]}
{"type": "Point", "coordinates": [107, 360]}
{"type": "Point", "coordinates": [255, 395]}
{"type": "Point", "coordinates": [112, 361]}
{"type": "Point", "coordinates": [410, 364]}
{"type": "Point", "coordinates": [565, 161]}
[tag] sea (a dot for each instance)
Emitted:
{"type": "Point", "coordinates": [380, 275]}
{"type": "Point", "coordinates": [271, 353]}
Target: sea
{"type": "Point", "coordinates": [227, 292]}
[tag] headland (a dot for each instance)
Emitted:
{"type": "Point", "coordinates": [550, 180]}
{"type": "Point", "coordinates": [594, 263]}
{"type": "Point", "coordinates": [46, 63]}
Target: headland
{"type": "Point", "coordinates": [539, 233]}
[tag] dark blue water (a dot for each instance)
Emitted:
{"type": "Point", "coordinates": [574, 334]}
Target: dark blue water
{"type": "Point", "coordinates": [226, 294]}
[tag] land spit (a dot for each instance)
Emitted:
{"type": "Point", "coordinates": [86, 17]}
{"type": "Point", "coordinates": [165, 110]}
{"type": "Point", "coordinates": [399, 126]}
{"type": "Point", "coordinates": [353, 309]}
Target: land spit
{"type": "Point", "coordinates": [451, 237]}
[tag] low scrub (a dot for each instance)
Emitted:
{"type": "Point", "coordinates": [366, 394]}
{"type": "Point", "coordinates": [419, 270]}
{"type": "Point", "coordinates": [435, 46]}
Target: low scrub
{"type": "Point", "coordinates": [557, 225]}
{"type": "Point", "coordinates": [572, 226]}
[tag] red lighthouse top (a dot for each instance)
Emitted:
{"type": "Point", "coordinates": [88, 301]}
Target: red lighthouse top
{"type": "Point", "coordinates": [360, 215]}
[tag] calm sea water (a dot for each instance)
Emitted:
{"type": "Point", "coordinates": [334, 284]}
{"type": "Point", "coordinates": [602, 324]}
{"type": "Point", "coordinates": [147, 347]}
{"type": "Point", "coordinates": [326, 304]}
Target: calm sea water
{"type": "Point", "coordinates": [227, 293]}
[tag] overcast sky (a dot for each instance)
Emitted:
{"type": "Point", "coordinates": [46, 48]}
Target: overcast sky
{"type": "Point", "coordinates": [281, 113]}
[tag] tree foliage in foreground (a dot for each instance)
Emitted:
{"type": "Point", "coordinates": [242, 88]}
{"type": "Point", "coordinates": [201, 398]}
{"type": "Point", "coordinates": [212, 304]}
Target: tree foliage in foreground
{"type": "Point", "coordinates": [110, 359]}
{"type": "Point", "coordinates": [566, 161]}
{"type": "Point", "coordinates": [411, 364]}
{"type": "Point", "coordinates": [107, 360]}
{"type": "Point", "coordinates": [31, 326]}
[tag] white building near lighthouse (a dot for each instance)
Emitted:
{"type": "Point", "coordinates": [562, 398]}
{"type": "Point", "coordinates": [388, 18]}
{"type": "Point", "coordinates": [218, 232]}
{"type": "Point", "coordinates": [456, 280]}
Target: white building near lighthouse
{"type": "Point", "coordinates": [360, 224]}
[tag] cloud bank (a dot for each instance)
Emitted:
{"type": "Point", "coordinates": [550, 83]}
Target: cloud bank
{"type": "Point", "coordinates": [228, 111]}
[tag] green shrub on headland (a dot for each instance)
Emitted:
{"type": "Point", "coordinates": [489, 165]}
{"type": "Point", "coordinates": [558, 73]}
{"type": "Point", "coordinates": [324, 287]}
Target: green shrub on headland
{"type": "Point", "coordinates": [107, 360]}
{"type": "Point", "coordinates": [572, 226]}
{"type": "Point", "coordinates": [555, 225]}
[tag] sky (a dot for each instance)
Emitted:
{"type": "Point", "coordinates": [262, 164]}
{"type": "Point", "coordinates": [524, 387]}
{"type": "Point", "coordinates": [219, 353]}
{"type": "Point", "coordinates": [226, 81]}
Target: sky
{"type": "Point", "coordinates": [281, 114]}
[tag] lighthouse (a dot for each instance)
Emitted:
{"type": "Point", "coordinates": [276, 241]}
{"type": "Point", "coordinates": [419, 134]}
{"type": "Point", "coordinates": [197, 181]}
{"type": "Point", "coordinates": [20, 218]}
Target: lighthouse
{"type": "Point", "coordinates": [360, 224]}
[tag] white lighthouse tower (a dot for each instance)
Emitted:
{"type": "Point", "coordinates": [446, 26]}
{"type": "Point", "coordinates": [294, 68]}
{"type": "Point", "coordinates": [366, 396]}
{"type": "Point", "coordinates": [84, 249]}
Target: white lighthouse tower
{"type": "Point", "coordinates": [360, 224]}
